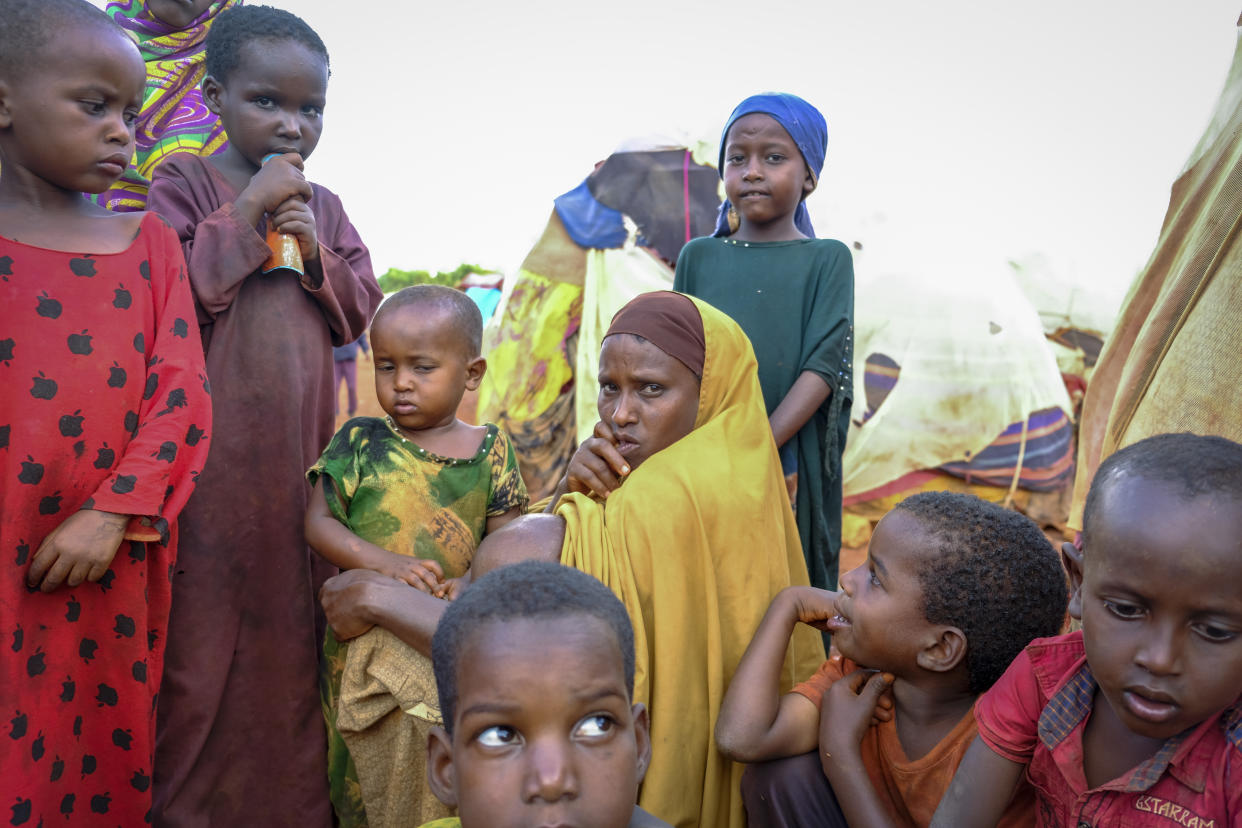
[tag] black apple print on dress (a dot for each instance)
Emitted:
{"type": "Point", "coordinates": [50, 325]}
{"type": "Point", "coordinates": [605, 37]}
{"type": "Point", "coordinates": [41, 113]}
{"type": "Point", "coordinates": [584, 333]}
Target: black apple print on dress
{"type": "Point", "coordinates": [105, 457]}
{"type": "Point", "coordinates": [80, 343]}
{"type": "Point", "coordinates": [42, 388]}
{"type": "Point", "coordinates": [180, 328]}
{"type": "Point", "coordinates": [121, 297]}
{"type": "Point", "coordinates": [36, 664]}
{"type": "Point", "coordinates": [167, 452]}
{"type": "Point", "coordinates": [17, 725]}
{"type": "Point", "coordinates": [19, 635]}
{"type": "Point", "coordinates": [139, 672]}
{"type": "Point", "coordinates": [194, 435]}
{"type": "Point", "coordinates": [21, 808]}
{"type": "Point", "coordinates": [67, 689]}
{"type": "Point", "coordinates": [4, 435]}
{"type": "Point", "coordinates": [153, 383]}
{"type": "Point", "coordinates": [50, 504]}
{"type": "Point", "coordinates": [140, 781]}
{"type": "Point", "coordinates": [106, 696]}
{"type": "Point", "coordinates": [123, 739]}
{"type": "Point", "coordinates": [124, 627]}
{"type": "Point", "coordinates": [31, 472]}
{"type": "Point", "coordinates": [73, 610]}
{"type": "Point", "coordinates": [23, 552]}
{"type": "Point", "coordinates": [82, 267]}
{"type": "Point", "coordinates": [47, 306]}
{"type": "Point", "coordinates": [36, 748]}
{"type": "Point", "coordinates": [140, 343]}
{"type": "Point", "coordinates": [116, 376]}
{"type": "Point", "coordinates": [58, 768]}
{"type": "Point", "coordinates": [100, 803]}
{"type": "Point", "coordinates": [6, 350]}
{"type": "Point", "coordinates": [87, 649]}
{"type": "Point", "coordinates": [71, 424]}
{"type": "Point", "coordinates": [176, 399]}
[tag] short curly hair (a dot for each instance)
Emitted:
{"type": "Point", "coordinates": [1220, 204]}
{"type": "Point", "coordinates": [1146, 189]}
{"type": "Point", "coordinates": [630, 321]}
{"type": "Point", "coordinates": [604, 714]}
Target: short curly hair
{"type": "Point", "coordinates": [236, 27]}
{"type": "Point", "coordinates": [530, 590]}
{"type": "Point", "coordinates": [1193, 464]}
{"type": "Point", "coordinates": [993, 575]}
{"type": "Point", "coordinates": [467, 320]}
{"type": "Point", "coordinates": [30, 26]}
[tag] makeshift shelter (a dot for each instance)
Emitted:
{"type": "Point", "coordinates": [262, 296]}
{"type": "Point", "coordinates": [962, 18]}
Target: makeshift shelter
{"type": "Point", "coordinates": [1171, 364]}
{"type": "Point", "coordinates": [610, 238]}
{"type": "Point", "coordinates": [958, 379]}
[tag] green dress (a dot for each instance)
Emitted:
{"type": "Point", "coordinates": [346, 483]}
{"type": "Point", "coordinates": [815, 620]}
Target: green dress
{"type": "Point", "coordinates": [391, 492]}
{"type": "Point", "coordinates": [795, 301]}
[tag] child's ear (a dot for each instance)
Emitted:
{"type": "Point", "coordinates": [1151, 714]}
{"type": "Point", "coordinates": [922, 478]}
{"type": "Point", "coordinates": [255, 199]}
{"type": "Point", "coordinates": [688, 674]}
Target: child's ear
{"type": "Point", "coordinates": [211, 93]}
{"type": "Point", "coordinates": [945, 653]}
{"type": "Point", "coordinates": [642, 738]}
{"type": "Point", "coordinates": [475, 370]}
{"type": "Point", "coordinates": [1071, 556]}
{"type": "Point", "coordinates": [440, 776]}
{"type": "Point", "coordinates": [808, 183]}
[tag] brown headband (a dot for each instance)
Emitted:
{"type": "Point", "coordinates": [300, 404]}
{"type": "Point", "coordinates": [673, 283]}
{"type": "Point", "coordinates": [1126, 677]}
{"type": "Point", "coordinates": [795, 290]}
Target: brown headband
{"type": "Point", "coordinates": [667, 320]}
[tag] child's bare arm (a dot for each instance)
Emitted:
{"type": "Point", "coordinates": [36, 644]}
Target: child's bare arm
{"type": "Point", "coordinates": [336, 544]}
{"type": "Point", "coordinates": [981, 789]}
{"type": "Point", "coordinates": [757, 722]}
{"type": "Point", "coordinates": [805, 397]}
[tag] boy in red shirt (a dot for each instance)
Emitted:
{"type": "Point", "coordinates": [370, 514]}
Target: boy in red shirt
{"type": "Point", "coordinates": [1136, 720]}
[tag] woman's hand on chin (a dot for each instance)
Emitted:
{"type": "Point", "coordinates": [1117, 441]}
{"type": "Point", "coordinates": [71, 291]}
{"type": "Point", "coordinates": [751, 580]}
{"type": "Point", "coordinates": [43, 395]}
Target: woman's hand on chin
{"type": "Point", "coordinates": [597, 467]}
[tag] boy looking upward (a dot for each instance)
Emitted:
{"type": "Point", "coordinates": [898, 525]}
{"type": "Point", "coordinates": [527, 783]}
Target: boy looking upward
{"type": "Point", "coordinates": [535, 670]}
{"type": "Point", "coordinates": [1135, 719]}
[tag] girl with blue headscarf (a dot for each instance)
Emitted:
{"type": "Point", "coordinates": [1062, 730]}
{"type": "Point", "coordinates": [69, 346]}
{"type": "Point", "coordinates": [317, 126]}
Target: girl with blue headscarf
{"type": "Point", "coordinates": [793, 295]}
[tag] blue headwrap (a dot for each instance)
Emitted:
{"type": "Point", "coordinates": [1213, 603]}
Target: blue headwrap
{"type": "Point", "coordinates": [807, 128]}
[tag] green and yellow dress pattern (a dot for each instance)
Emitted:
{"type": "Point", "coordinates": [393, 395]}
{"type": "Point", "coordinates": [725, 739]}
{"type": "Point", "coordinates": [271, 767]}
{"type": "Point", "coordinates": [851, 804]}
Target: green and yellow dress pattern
{"type": "Point", "coordinates": [389, 491]}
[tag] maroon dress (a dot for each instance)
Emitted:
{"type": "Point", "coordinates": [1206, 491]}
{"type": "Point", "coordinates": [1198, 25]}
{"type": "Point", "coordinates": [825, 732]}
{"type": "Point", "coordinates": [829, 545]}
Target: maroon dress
{"type": "Point", "coordinates": [104, 405]}
{"type": "Point", "coordinates": [241, 734]}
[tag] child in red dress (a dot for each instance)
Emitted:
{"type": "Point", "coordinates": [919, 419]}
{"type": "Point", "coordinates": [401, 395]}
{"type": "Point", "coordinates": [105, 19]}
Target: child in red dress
{"type": "Point", "coordinates": [103, 424]}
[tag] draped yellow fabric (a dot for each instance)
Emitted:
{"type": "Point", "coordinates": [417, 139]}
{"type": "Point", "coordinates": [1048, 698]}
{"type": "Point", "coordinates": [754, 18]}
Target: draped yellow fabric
{"type": "Point", "coordinates": [696, 543]}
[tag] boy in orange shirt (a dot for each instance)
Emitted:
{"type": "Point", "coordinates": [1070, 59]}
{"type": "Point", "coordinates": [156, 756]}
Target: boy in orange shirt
{"type": "Point", "coordinates": [953, 588]}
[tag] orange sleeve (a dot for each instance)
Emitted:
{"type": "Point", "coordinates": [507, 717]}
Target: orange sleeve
{"type": "Point", "coordinates": [834, 668]}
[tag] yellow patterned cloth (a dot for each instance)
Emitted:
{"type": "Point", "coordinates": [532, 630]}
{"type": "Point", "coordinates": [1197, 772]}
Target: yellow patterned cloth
{"type": "Point", "coordinates": [696, 543]}
{"type": "Point", "coordinates": [529, 385]}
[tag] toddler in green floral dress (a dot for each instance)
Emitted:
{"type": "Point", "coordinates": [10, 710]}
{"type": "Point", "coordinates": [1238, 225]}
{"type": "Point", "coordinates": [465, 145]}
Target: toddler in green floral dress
{"type": "Point", "coordinates": [412, 494]}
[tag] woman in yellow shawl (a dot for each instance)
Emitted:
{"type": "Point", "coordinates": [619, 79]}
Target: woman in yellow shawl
{"type": "Point", "coordinates": [696, 538]}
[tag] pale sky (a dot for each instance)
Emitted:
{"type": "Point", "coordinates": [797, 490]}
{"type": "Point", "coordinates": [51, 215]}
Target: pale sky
{"type": "Point", "coordinates": [961, 133]}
